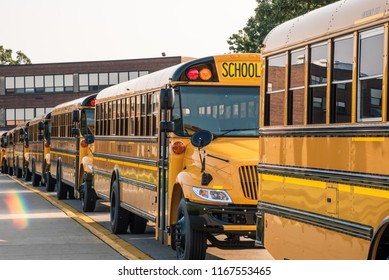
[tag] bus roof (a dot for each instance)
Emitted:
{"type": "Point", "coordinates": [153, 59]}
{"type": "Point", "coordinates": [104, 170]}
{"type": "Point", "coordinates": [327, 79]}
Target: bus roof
{"type": "Point", "coordinates": [172, 75]}
{"type": "Point", "coordinates": [73, 104]}
{"type": "Point", "coordinates": [40, 118]}
{"type": "Point", "coordinates": [315, 25]}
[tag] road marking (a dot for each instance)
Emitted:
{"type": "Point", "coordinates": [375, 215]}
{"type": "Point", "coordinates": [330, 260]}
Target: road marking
{"type": "Point", "coordinates": [124, 248]}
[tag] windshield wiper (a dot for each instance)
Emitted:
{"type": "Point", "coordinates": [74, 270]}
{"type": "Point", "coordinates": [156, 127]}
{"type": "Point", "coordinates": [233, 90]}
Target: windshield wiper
{"type": "Point", "coordinates": [226, 131]}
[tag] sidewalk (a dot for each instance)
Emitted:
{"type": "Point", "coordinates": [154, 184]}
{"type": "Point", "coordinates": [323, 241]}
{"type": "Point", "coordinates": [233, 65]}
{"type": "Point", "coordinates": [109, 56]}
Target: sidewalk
{"type": "Point", "coordinates": [31, 228]}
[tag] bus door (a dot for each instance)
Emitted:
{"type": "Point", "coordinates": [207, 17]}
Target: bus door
{"type": "Point", "coordinates": [166, 126]}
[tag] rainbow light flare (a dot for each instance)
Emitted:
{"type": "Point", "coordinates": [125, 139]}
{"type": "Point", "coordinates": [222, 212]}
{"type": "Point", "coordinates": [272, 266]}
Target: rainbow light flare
{"type": "Point", "coordinates": [17, 206]}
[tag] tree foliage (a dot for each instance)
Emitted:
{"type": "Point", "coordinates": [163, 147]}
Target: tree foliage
{"type": "Point", "coordinates": [268, 15]}
{"type": "Point", "coordinates": [6, 57]}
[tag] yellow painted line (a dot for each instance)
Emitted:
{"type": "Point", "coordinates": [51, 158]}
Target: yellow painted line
{"type": "Point", "coordinates": [115, 242]}
{"type": "Point", "coordinates": [152, 168]}
{"type": "Point", "coordinates": [371, 192]}
{"type": "Point", "coordinates": [304, 182]}
{"type": "Point", "coordinates": [344, 188]}
{"type": "Point", "coordinates": [63, 154]}
{"type": "Point", "coordinates": [368, 139]}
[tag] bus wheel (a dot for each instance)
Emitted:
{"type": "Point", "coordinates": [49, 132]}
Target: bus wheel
{"type": "Point", "coordinates": [27, 174]}
{"type": "Point", "coordinates": [120, 217]}
{"type": "Point", "coordinates": [137, 224]}
{"type": "Point", "coordinates": [190, 244]}
{"type": "Point", "coordinates": [18, 171]}
{"type": "Point", "coordinates": [87, 197]}
{"type": "Point", "coordinates": [50, 182]}
{"type": "Point", "coordinates": [35, 178]}
{"type": "Point", "coordinates": [62, 189]}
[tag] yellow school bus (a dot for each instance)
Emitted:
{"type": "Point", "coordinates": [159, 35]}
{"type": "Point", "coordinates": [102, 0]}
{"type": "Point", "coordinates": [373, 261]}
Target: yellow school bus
{"type": "Point", "coordinates": [324, 135]}
{"type": "Point", "coordinates": [21, 151]}
{"type": "Point", "coordinates": [39, 150]}
{"type": "Point", "coordinates": [179, 148]}
{"type": "Point", "coordinates": [71, 138]}
{"type": "Point", "coordinates": [4, 144]}
{"type": "Point", "coordinates": [10, 151]}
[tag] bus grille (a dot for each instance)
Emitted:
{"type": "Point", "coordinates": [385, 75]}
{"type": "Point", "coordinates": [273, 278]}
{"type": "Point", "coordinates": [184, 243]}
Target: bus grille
{"type": "Point", "coordinates": [249, 181]}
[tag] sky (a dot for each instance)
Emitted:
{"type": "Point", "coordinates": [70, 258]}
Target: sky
{"type": "Point", "coordinates": [50, 31]}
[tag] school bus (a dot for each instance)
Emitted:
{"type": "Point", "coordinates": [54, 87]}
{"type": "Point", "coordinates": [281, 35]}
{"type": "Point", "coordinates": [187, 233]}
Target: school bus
{"type": "Point", "coordinates": [9, 138]}
{"type": "Point", "coordinates": [4, 144]}
{"type": "Point", "coordinates": [39, 150]}
{"type": "Point", "coordinates": [71, 148]}
{"type": "Point", "coordinates": [21, 145]}
{"type": "Point", "coordinates": [324, 136]}
{"type": "Point", "coordinates": [179, 148]}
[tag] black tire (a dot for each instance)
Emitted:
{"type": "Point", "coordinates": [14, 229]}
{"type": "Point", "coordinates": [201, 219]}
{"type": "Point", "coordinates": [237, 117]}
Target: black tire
{"type": "Point", "coordinates": [35, 178]}
{"type": "Point", "coordinates": [190, 244]}
{"type": "Point", "coordinates": [18, 171]}
{"type": "Point", "coordinates": [10, 170]}
{"type": "Point", "coordinates": [62, 189]}
{"type": "Point", "coordinates": [120, 217]}
{"type": "Point", "coordinates": [50, 182]}
{"type": "Point", "coordinates": [27, 174]}
{"type": "Point", "coordinates": [137, 224]}
{"type": "Point", "coordinates": [4, 168]}
{"type": "Point", "coordinates": [88, 197]}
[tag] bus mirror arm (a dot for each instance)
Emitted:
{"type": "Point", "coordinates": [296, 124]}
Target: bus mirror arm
{"type": "Point", "coordinates": [201, 139]}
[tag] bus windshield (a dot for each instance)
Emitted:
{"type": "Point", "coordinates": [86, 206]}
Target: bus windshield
{"type": "Point", "coordinates": [228, 111]}
{"type": "Point", "coordinates": [88, 121]}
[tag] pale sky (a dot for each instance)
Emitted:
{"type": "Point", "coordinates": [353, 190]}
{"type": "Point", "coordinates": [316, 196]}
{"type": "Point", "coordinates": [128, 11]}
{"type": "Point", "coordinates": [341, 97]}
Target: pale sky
{"type": "Point", "coordinates": [91, 30]}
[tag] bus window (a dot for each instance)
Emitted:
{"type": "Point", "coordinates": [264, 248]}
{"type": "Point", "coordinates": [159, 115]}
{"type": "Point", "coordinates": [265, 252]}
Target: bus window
{"type": "Point", "coordinates": [296, 90]}
{"type": "Point", "coordinates": [370, 74]}
{"type": "Point", "coordinates": [275, 92]}
{"type": "Point", "coordinates": [87, 121]}
{"type": "Point", "coordinates": [342, 80]}
{"type": "Point", "coordinates": [318, 84]}
{"type": "Point", "coordinates": [196, 115]}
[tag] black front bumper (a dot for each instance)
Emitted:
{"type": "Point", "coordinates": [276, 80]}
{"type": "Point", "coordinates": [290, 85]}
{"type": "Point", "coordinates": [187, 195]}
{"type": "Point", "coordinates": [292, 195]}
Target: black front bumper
{"type": "Point", "coordinates": [222, 218]}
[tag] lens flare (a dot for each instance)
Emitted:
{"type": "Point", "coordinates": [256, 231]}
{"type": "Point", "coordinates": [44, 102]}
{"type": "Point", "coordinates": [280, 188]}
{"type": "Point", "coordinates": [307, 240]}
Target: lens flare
{"type": "Point", "coordinates": [17, 206]}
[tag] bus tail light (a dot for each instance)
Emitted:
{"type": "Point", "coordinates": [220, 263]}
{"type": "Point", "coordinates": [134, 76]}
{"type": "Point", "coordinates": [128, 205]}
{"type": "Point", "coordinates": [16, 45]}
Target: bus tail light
{"type": "Point", "coordinates": [93, 102]}
{"type": "Point", "coordinates": [193, 74]}
{"type": "Point", "coordinates": [178, 147]}
{"type": "Point", "coordinates": [83, 144]}
{"type": "Point", "coordinates": [205, 74]}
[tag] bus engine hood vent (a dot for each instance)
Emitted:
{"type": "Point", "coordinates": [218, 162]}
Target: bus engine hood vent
{"type": "Point", "coordinates": [249, 181]}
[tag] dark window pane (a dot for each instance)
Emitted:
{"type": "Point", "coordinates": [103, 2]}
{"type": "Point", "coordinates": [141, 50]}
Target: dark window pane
{"type": "Point", "coordinates": [296, 99]}
{"type": "Point", "coordinates": [275, 103]}
{"type": "Point", "coordinates": [317, 105]}
{"type": "Point", "coordinates": [342, 103]}
{"type": "Point", "coordinates": [371, 53]}
{"type": "Point", "coordinates": [371, 98]}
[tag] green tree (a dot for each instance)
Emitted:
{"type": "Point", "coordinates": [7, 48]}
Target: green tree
{"type": "Point", "coordinates": [7, 59]}
{"type": "Point", "coordinates": [268, 15]}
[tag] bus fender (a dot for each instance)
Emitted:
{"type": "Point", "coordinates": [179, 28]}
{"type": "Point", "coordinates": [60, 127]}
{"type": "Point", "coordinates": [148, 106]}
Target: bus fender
{"type": "Point", "coordinates": [383, 227]}
{"type": "Point", "coordinates": [188, 179]}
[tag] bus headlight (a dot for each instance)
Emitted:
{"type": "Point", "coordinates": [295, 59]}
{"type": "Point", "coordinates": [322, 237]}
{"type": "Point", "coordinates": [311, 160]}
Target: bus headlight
{"type": "Point", "coordinates": [27, 156]}
{"type": "Point", "coordinates": [212, 195]}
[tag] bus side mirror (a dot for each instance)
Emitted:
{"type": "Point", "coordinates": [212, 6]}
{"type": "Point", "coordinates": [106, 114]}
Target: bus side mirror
{"type": "Point", "coordinates": [41, 126]}
{"type": "Point", "coordinates": [21, 131]}
{"type": "Point", "coordinates": [40, 137]}
{"type": "Point", "coordinates": [89, 139]}
{"type": "Point", "coordinates": [75, 131]}
{"type": "Point", "coordinates": [76, 116]}
{"type": "Point", "coordinates": [167, 98]}
{"type": "Point", "coordinates": [201, 138]}
{"type": "Point", "coordinates": [167, 126]}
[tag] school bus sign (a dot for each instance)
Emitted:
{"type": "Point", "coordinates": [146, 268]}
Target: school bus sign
{"type": "Point", "coordinates": [239, 69]}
